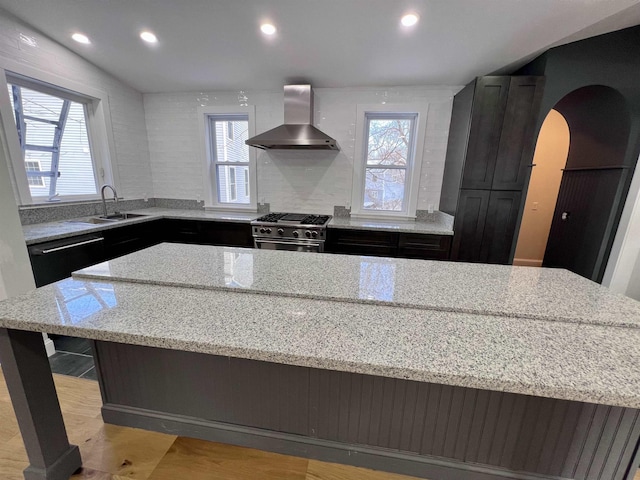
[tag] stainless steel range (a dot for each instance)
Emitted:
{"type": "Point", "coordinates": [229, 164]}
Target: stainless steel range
{"type": "Point", "coordinates": [290, 231]}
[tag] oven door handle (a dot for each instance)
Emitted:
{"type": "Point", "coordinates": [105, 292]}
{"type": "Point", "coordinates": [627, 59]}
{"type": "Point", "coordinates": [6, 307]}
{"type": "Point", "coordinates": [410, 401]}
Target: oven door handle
{"type": "Point", "coordinates": [284, 242]}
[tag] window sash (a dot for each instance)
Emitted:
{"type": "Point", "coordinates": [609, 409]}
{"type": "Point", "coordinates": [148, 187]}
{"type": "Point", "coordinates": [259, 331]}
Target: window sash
{"type": "Point", "coordinates": [231, 180]}
{"type": "Point", "coordinates": [408, 167]}
{"type": "Point", "coordinates": [16, 87]}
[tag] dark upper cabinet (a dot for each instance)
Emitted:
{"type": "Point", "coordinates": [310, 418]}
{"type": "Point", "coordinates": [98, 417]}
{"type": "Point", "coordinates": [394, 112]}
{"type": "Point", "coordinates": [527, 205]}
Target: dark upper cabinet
{"type": "Point", "coordinates": [487, 117]}
{"type": "Point", "coordinates": [517, 141]}
{"type": "Point", "coordinates": [489, 155]}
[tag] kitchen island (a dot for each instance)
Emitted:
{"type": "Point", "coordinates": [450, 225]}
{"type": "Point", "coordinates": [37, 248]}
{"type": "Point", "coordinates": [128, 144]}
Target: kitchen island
{"type": "Point", "coordinates": [426, 368]}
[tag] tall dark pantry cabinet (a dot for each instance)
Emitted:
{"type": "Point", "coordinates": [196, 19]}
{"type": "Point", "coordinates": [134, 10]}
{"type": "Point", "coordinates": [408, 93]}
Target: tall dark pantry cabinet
{"type": "Point", "coordinates": [489, 155]}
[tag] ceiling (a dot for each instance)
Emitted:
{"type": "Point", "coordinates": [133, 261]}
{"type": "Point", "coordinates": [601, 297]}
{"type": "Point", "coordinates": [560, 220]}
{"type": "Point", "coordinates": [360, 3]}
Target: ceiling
{"type": "Point", "coordinates": [217, 44]}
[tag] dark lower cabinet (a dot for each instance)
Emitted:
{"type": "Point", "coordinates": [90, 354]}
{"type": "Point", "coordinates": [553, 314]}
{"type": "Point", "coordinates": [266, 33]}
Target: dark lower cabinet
{"type": "Point", "coordinates": [131, 238]}
{"type": "Point", "coordinates": [231, 234]}
{"type": "Point", "coordinates": [388, 244]}
{"type": "Point", "coordinates": [500, 227]}
{"type": "Point", "coordinates": [426, 247]}
{"type": "Point", "coordinates": [181, 231]}
{"type": "Point", "coordinates": [55, 260]}
{"type": "Point", "coordinates": [469, 225]}
{"type": "Point", "coordinates": [485, 226]}
{"type": "Point", "coordinates": [362, 242]}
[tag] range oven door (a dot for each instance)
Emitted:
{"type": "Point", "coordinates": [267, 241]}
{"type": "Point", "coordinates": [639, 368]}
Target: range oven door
{"type": "Point", "coordinates": [289, 245]}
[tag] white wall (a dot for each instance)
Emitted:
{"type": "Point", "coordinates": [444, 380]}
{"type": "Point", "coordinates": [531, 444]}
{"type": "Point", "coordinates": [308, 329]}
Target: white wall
{"type": "Point", "coordinates": [131, 156]}
{"type": "Point", "coordinates": [15, 269]}
{"type": "Point", "coordinates": [623, 269]}
{"type": "Point", "coordinates": [290, 180]}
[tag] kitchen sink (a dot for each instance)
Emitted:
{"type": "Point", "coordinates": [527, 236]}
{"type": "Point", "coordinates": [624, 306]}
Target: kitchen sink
{"type": "Point", "coordinates": [113, 218]}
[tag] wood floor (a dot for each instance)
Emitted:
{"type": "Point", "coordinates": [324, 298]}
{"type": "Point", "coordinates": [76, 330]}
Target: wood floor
{"type": "Point", "coordinates": [118, 453]}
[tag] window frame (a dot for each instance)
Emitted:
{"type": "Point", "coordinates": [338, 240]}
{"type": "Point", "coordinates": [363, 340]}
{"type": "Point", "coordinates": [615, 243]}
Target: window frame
{"type": "Point", "coordinates": [414, 165]}
{"type": "Point", "coordinates": [209, 170]}
{"type": "Point", "coordinates": [98, 119]}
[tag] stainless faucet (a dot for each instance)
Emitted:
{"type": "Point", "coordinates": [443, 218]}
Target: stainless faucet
{"type": "Point", "coordinates": [104, 201]}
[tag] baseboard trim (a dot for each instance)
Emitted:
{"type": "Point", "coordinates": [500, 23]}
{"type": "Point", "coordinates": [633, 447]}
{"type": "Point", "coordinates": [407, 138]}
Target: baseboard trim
{"type": "Point", "coordinates": [296, 445]}
{"type": "Point", "coordinates": [527, 262]}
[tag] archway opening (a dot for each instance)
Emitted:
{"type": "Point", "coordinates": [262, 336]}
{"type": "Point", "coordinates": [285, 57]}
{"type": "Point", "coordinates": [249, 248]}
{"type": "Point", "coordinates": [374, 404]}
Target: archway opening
{"type": "Point", "coordinates": [550, 158]}
{"type": "Point", "coordinates": [593, 185]}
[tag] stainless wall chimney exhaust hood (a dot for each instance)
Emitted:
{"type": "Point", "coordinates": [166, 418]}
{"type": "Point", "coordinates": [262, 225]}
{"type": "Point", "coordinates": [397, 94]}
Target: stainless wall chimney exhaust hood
{"type": "Point", "coordinates": [298, 132]}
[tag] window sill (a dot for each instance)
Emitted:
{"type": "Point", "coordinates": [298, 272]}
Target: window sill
{"type": "Point", "coordinates": [382, 217]}
{"type": "Point", "coordinates": [222, 208]}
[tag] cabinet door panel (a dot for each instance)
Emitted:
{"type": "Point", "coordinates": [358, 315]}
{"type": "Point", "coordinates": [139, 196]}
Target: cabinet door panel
{"type": "Point", "coordinates": [362, 242]}
{"type": "Point", "coordinates": [499, 230]}
{"type": "Point", "coordinates": [517, 141]}
{"type": "Point", "coordinates": [487, 117]}
{"type": "Point", "coordinates": [55, 260]}
{"type": "Point", "coordinates": [427, 247]}
{"type": "Point", "coordinates": [181, 231]}
{"type": "Point", "coordinates": [469, 225]}
{"type": "Point", "coordinates": [227, 233]}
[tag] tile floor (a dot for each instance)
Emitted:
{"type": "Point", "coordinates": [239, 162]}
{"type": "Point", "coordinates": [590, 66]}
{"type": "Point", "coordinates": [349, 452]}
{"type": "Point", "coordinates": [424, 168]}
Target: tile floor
{"type": "Point", "coordinates": [73, 357]}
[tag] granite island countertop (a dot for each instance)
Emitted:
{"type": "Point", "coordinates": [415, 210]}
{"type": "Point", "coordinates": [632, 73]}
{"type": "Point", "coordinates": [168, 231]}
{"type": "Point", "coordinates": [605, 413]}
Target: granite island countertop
{"type": "Point", "coordinates": [571, 361]}
{"type": "Point", "coordinates": [502, 290]}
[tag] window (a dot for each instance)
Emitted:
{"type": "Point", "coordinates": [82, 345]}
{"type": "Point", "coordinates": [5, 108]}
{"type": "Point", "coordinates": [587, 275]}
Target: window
{"type": "Point", "coordinates": [386, 178]}
{"type": "Point", "coordinates": [230, 163]}
{"type": "Point", "coordinates": [54, 138]}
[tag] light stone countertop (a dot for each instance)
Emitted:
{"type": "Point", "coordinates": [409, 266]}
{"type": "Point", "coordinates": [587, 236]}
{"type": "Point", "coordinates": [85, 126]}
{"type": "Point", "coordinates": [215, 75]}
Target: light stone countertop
{"type": "Point", "coordinates": [440, 225]}
{"type": "Point", "coordinates": [42, 232]}
{"type": "Point", "coordinates": [502, 290]}
{"type": "Point", "coordinates": [570, 361]}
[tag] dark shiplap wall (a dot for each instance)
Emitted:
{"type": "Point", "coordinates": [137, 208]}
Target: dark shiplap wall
{"type": "Point", "coordinates": [515, 432]}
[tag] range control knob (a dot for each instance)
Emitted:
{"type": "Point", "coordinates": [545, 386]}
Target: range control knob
{"type": "Point", "coordinates": [281, 231]}
{"type": "Point", "coordinates": [308, 233]}
{"type": "Point", "coordinates": [268, 230]}
{"type": "Point", "coordinates": [262, 230]}
{"type": "Point", "coordinates": [314, 234]}
{"type": "Point", "coordinates": [296, 233]}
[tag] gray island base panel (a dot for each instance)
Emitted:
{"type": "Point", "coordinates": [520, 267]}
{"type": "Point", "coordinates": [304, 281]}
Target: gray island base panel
{"type": "Point", "coordinates": [519, 292]}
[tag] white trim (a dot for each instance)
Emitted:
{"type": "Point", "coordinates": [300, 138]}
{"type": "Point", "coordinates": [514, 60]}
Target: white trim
{"type": "Point", "coordinates": [208, 169]}
{"type": "Point", "coordinates": [98, 117]}
{"type": "Point", "coordinates": [413, 170]}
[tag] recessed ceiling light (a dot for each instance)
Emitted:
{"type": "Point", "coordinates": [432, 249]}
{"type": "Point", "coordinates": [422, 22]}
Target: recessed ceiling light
{"type": "Point", "coordinates": [81, 38]}
{"type": "Point", "coordinates": [268, 29]}
{"type": "Point", "coordinates": [409, 20]}
{"type": "Point", "coordinates": [148, 37]}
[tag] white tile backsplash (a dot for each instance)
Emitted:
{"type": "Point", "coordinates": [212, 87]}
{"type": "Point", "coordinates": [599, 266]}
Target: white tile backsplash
{"type": "Point", "coordinates": [131, 156]}
{"type": "Point", "coordinates": [303, 181]}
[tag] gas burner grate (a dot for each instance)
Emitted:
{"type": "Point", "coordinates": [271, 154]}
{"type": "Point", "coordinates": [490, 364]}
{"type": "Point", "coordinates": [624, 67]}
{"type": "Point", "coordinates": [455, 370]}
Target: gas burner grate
{"type": "Point", "coordinates": [315, 219]}
{"type": "Point", "coordinates": [271, 217]}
